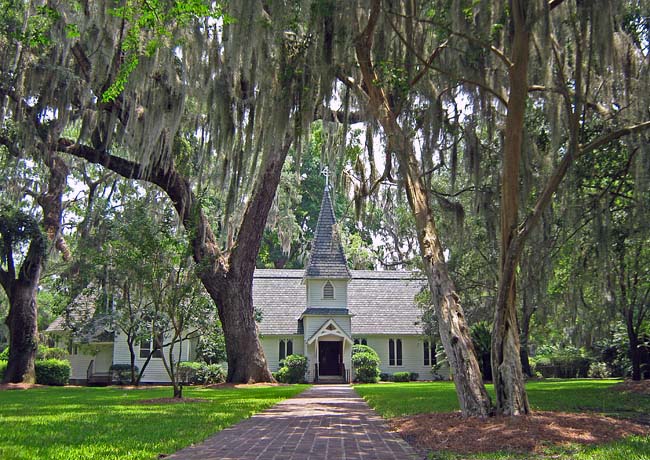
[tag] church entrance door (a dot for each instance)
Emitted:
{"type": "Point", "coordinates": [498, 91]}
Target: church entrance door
{"type": "Point", "coordinates": [330, 357]}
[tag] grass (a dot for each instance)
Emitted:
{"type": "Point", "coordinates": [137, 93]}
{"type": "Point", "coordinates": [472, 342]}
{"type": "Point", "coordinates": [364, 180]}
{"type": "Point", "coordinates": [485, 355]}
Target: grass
{"type": "Point", "coordinates": [77, 423]}
{"type": "Point", "coordinates": [402, 399]}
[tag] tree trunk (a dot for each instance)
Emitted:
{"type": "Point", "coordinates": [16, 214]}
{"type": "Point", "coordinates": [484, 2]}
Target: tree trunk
{"type": "Point", "coordinates": [507, 375]}
{"type": "Point", "coordinates": [178, 390]}
{"type": "Point", "coordinates": [221, 276]}
{"type": "Point", "coordinates": [526, 315]}
{"type": "Point", "coordinates": [23, 332]}
{"type": "Point", "coordinates": [246, 359]}
{"type": "Point", "coordinates": [635, 351]}
{"type": "Point", "coordinates": [454, 333]}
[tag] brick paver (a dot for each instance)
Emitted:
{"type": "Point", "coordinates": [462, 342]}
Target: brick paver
{"type": "Point", "coordinates": [325, 422]}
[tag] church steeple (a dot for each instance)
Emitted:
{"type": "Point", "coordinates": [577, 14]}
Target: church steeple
{"type": "Point", "coordinates": [327, 259]}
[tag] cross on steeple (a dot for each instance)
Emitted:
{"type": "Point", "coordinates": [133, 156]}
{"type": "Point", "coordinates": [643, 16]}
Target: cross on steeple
{"type": "Point", "coordinates": [326, 172]}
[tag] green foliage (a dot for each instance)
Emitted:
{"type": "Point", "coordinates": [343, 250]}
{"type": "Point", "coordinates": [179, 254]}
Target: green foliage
{"type": "Point", "coordinates": [481, 334]}
{"type": "Point", "coordinates": [211, 346]}
{"type": "Point", "coordinates": [121, 373]}
{"type": "Point", "coordinates": [52, 372]}
{"type": "Point", "coordinates": [44, 352]}
{"type": "Point", "coordinates": [197, 373]}
{"type": "Point", "coordinates": [401, 377]}
{"type": "Point", "coordinates": [598, 370]}
{"type": "Point", "coordinates": [3, 367]}
{"type": "Point", "coordinates": [151, 26]}
{"type": "Point", "coordinates": [107, 423]}
{"type": "Point", "coordinates": [365, 362]}
{"type": "Point", "coordinates": [17, 228]}
{"type": "Point", "coordinates": [561, 362]}
{"type": "Point", "coordinates": [293, 370]}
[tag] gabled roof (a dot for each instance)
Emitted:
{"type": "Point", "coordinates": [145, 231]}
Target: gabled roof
{"type": "Point", "coordinates": [327, 259]}
{"type": "Point", "coordinates": [380, 302]}
{"type": "Point", "coordinates": [330, 327]}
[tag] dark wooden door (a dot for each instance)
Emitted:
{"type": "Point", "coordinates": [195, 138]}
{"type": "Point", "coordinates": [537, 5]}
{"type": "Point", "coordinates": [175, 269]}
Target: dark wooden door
{"type": "Point", "coordinates": [330, 355]}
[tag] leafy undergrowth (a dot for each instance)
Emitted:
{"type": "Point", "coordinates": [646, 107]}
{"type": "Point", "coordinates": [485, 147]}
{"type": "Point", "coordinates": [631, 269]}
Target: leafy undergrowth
{"type": "Point", "coordinates": [78, 423]}
{"type": "Point", "coordinates": [572, 421]}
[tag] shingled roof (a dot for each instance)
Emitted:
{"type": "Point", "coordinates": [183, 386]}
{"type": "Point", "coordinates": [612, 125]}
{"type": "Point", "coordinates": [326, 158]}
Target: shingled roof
{"type": "Point", "coordinates": [381, 302]}
{"type": "Point", "coordinates": [327, 259]}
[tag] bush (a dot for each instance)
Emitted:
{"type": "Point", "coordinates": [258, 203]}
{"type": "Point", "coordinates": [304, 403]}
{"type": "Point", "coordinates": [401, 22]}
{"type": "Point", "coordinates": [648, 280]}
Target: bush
{"type": "Point", "coordinates": [413, 376]}
{"type": "Point", "coordinates": [4, 354]}
{"type": "Point", "coordinates": [52, 372]}
{"type": "Point", "coordinates": [366, 362]}
{"type": "Point", "coordinates": [211, 374]}
{"type": "Point", "coordinates": [401, 377]}
{"type": "Point", "coordinates": [293, 370]}
{"type": "Point", "coordinates": [565, 362]}
{"type": "Point", "coordinates": [196, 373]}
{"type": "Point", "coordinates": [45, 353]}
{"type": "Point", "coordinates": [121, 373]}
{"type": "Point", "coordinates": [598, 370]}
{"type": "Point", "coordinates": [385, 377]}
{"type": "Point", "coordinates": [3, 366]}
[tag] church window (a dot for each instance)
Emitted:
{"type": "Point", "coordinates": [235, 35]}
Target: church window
{"type": "Point", "coordinates": [286, 349]}
{"type": "Point", "coordinates": [395, 352]}
{"type": "Point", "coordinates": [429, 354]}
{"type": "Point", "coordinates": [360, 342]}
{"type": "Point", "coordinates": [328, 291]}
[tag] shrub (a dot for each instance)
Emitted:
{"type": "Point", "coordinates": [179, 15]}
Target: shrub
{"type": "Point", "coordinates": [3, 366]}
{"type": "Point", "coordinates": [211, 373]}
{"type": "Point", "coordinates": [413, 376]}
{"type": "Point", "coordinates": [598, 370]}
{"type": "Point", "coordinates": [401, 377]}
{"type": "Point", "coordinates": [481, 333]}
{"type": "Point", "coordinates": [52, 372]}
{"type": "Point", "coordinates": [366, 362]}
{"type": "Point", "coordinates": [188, 371]}
{"type": "Point", "coordinates": [4, 354]}
{"type": "Point", "coordinates": [564, 362]}
{"type": "Point", "coordinates": [385, 377]}
{"type": "Point", "coordinates": [293, 370]}
{"type": "Point", "coordinates": [121, 373]}
{"type": "Point", "coordinates": [44, 353]}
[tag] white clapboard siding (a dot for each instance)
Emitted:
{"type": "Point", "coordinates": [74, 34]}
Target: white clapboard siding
{"type": "Point", "coordinates": [315, 294]}
{"type": "Point", "coordinates": [155, 371]}
{"type": "Point", "coordinates": [271, 346]}
{"type": "Point", "coordinates": [412, 355]}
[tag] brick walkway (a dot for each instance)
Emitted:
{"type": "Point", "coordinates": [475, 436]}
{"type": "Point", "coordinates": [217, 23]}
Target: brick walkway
{"type": "Point", "coordinates": [325, 422]}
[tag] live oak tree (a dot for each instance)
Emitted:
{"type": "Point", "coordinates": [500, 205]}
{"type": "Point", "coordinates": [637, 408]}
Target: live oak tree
{"type": "Point", "coordinates": [177, 94]}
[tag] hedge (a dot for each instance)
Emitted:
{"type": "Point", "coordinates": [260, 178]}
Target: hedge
{"type": "Point", "coordinates": [48, 371]}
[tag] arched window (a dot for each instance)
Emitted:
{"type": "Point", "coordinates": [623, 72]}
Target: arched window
{"type": "Point", "coordinates": [427, 353]}
{"type": "Point", "coordinates": [364, 342]}
{"type": "Point", "coordinates": [328, 291]}
{"type": "Point", "coordinates": [356, 341]}
{"type": "Point", "coordinates": [282, 352]}
{"type": "Point", "coordinates": [395, 352]}
{"type": "Point", "coordinates": [289, 347]}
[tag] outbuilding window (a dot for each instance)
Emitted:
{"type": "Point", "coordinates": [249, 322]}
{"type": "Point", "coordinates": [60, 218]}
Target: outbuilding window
{"type": "Point", "coordinates": [328, 291]}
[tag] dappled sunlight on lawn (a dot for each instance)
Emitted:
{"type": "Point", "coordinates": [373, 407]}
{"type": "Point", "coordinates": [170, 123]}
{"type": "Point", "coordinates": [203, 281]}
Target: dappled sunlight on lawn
{"type": "Point", "coordinates": [112, 423]}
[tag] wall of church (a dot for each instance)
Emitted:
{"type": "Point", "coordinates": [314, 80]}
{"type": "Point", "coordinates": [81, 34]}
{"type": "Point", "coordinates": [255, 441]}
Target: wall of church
{"type": "Point", "coordinates": [412, 355]}
{"type": "Point", "coordinates": [271, 346]}
{"type": "Point", "coordinates": [315, 294]}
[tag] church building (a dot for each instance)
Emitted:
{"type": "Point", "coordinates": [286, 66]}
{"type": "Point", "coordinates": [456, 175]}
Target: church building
{"type": "Point", "coordinates": [319, 312]}
{"type": "Point", "coordinates": [323, 310]}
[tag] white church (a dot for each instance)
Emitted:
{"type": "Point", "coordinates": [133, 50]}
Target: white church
{"type": "Point", "coordinates": [319, 312]}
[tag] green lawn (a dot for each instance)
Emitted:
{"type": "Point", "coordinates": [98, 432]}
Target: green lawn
{"type": "Point", "coordinates": [401, 399]}
{"type": "Point", "coordinates": [72, 423]}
